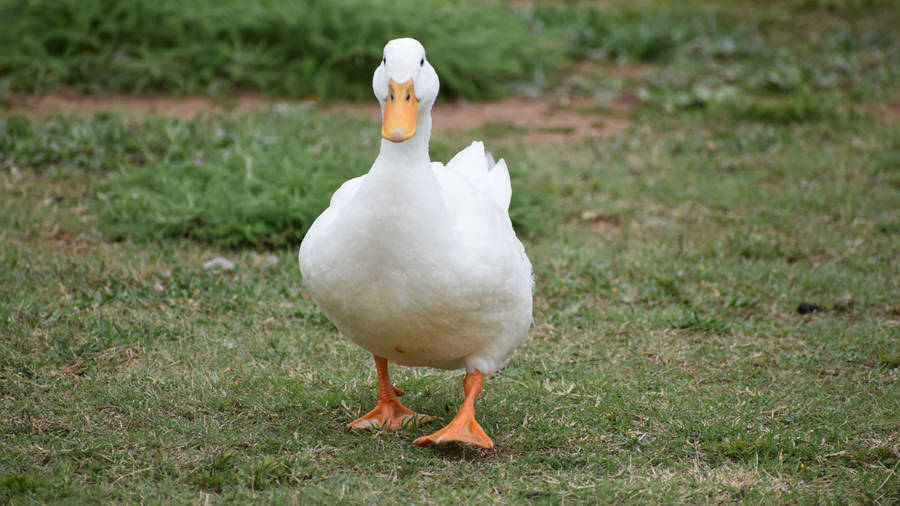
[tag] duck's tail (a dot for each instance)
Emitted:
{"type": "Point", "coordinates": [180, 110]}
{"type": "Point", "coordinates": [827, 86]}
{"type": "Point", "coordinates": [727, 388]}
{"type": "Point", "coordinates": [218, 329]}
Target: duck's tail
{"type": "Point", "coordinates": [479, 167]}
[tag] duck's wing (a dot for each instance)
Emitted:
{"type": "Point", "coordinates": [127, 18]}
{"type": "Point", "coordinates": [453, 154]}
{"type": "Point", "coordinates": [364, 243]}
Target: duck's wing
{"type": "Point", "coordinates": [500, 185]}
{"type": "Point", "coordinates": [477, 167]}
{"type": "Point", "coordinates": [345, 192]}
{"type": "Point", "coordinates": [339, 201]}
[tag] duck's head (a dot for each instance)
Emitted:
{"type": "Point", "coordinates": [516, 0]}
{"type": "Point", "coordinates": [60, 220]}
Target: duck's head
{"type": "Point", "coordinates": [405, 85]}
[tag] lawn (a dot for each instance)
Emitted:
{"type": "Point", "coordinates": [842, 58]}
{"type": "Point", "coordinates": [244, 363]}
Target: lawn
{"type": "Point", "coordinates": [669, 359]}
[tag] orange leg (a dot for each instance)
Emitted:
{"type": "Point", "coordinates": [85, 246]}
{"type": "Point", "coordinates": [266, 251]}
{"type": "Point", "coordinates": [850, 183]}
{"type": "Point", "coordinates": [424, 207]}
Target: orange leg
{"type": "Point", "coordinates": [389, 412]}
{"type": "Point", "coordinates": [463, 427]}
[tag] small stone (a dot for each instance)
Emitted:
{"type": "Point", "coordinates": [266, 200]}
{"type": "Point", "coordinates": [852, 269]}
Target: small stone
{"type": "Point", "coordinates": [264, 261]}
{"type": "Point", "coordinates": [158, 288]}
{"type": "Point", "coordinates": [844, 302]}
{"type": "Point", "coordinates": [15, 173]}
{"type": "Point", "coordinates": [807, 308]}
{"type": "Point", "coordinates": [220, 263]}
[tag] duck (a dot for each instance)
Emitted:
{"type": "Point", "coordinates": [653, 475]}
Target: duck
{"type": "Point", "coordinates": [417, 262]}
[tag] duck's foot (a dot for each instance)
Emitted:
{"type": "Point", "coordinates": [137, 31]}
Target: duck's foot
{"type": "Point", "coordinates": [463, 428]}
{"type": "Point", "coordinates": [390, 414]}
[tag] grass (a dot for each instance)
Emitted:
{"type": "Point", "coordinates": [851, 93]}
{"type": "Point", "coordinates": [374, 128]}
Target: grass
{"type": "Point", "coordinates": [631, 33]}
{"type": "Point", "coordinates": [232, 183]}
{"type": "Point", "coordinates": [778, 62]}
{"type": "Point", "coordinates": [667, 361]}
{"type": "Point", "coordinates": [294, 49]}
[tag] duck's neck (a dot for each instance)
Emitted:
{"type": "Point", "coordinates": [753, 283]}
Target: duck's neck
{"type": "Point", "coordinates": [403, 188]}
{"type": "Point", "coordinates": [409, 154]}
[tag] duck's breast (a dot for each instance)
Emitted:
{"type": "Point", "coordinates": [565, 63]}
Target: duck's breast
{"type": "Point", "coordinates": [433, 285]}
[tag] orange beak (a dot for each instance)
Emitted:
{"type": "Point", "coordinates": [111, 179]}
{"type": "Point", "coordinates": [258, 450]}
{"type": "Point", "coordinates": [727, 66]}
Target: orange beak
{"type": "Point", "coordinates": [400, 112]}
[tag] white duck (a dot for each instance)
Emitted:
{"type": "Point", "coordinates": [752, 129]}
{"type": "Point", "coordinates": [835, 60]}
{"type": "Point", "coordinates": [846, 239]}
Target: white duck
{"type": "Point", "coordinates": [417, 262]}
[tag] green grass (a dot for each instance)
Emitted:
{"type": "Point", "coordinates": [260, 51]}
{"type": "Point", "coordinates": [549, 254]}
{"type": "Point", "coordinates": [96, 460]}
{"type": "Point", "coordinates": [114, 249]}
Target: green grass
{"type": "Point", "coordinates": [779, 62]}
{"type": "Point", "coordinates": [328, 49]}
{"type": "Point", "coordinates": [294, 49]}
{"type": "Point", "coordinates": [643, 32]}
{"type": "Point", "coordinates": [238, 182]}
{"type": "Point", "coordinates": [667, 361]}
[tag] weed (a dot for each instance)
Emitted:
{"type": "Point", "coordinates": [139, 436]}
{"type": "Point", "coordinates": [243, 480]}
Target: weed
{"type": "Point", "coordinates": [691, 321]}
{"type": "Point", "coordinates": [891, 361]}
{"type": "Point", "coordinates": [798, 107]}
{"type": "Point", "coordinates": [217, 473]}
{"type": "Point", "coordinates": [12, 485]}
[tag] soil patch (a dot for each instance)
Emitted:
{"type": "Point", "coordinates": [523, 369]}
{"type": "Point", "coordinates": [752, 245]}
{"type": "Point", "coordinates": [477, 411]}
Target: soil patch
{"type": "Point", "coordinates": [69, 102]}
{"type": "Point", "coordinates": [887, 109]}
{"type": "Point", "coordinates": [533, 120]}
{"type": "Point", "coordinates": [539, 120]}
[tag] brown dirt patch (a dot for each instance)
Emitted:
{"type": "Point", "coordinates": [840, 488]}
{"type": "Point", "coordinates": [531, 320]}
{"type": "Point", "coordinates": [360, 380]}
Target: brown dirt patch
{"type": "Point", "coordinates": [533, 120]}
{"type": "Point", "coordinates": [887, 109]}
{"type": "Point", "coordinates": [600, 220]}
{"type": "Point", "coordinates": [539, 120]}
{"type": "Point", "coordinates": [69, 102]}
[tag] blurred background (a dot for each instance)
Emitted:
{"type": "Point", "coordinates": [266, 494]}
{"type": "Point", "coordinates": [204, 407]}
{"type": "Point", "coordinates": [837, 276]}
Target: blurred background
{"type": "Point", "coordinates": [327, 50]}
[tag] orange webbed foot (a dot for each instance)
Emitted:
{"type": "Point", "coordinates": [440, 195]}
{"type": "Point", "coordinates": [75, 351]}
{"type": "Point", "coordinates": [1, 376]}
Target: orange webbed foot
{"type": "Point", "coordinates": [463, 428]}
{"type": "Point", "coordinates": [391, 414]}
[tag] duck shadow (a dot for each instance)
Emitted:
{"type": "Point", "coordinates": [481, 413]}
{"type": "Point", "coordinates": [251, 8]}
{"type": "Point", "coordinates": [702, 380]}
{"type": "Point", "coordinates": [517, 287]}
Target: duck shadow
{"type": "Point", "coordinates": [461, 452]}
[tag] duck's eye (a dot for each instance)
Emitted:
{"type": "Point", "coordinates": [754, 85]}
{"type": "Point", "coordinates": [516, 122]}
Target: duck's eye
{"type": "Point", "coordinates": [407, 97]}
{"type": "Point", "coordinates": [422, 62]}
{"type": "Point", "coordinates": [384, 60]}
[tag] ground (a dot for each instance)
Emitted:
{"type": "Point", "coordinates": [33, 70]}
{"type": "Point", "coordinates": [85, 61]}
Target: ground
{"type": "Point", "coordinates": [716, 304]}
